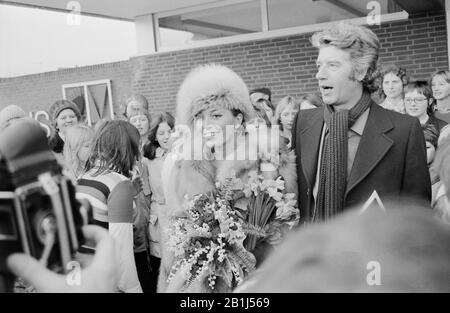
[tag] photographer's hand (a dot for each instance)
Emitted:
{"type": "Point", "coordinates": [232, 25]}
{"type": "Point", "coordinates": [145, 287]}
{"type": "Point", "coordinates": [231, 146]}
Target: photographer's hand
{"type": "Point", "coordinates": [99, 276]}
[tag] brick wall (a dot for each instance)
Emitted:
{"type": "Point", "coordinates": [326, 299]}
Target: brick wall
{"type": "Point", "coordinates": [39, 91]}
{"type": "Point", "coordinates": [286, 65]}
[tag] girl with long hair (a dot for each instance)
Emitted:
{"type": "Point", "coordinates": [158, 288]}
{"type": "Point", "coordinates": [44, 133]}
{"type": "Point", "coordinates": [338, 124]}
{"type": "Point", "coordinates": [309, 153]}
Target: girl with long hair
{"type": "Point", "coordinates": [107, 184]}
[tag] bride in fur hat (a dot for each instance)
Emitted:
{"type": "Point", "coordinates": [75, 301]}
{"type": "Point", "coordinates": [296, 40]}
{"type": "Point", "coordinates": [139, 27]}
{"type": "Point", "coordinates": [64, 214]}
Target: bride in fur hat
{"type": "Point", "coordinates": [213, 105]}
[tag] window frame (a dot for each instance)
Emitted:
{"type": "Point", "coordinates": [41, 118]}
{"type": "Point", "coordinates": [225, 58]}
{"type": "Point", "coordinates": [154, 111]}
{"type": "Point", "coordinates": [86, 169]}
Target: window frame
{"type": "Point", "coordinates": [85, 86]}
{"type": "Point", "coordinates": [265, 33]}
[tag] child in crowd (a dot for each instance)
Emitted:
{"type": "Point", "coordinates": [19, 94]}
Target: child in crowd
{"type": "Point", "coordinates": [76, 149]}
{"type": "Point", "coordinates": [285, 114]}
{"type": "Point", "coordinates": [140, 119]}
{"type": "Point", "coordinates": [440, 83]}
{"type": "Point", "coordinates": [155, 153]}
{"type": "Point", "coordinates": [106, 184]}
{"type": "Point", "coordinates": [418, 103]}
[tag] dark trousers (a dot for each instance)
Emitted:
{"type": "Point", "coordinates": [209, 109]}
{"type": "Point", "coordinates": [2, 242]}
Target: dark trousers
{"type": "Point", "coordinates": [144, 271]}
{"type": "Point", "coordinates": [155, 263]}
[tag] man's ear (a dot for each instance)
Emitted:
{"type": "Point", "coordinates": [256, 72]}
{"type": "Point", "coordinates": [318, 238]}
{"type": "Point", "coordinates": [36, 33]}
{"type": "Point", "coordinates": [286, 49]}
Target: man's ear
{"type": "Point", "coordinates": [360, 74]}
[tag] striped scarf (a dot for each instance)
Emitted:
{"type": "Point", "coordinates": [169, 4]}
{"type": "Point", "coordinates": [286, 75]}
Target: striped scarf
{"type": "Point", "coordinates": [333, 169]}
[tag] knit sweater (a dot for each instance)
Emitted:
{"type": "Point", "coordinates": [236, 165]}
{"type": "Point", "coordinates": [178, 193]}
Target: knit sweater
{"type": "Point", "coordinates": [111, 196]}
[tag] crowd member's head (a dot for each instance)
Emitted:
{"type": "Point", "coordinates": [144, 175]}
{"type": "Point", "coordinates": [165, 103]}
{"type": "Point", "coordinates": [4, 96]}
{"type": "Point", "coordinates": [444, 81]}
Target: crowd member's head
{"type": "Point", "coordinates": [431, 140]}
{"type": "Point", "coordinates": [346, 63]}
{"type": "Point", "coordinates": [310, 101]}
{"type": "Point", "coordinates": [141, 120]}
{"type": "Point", "coordinates": [418, 100]}
{"type": "Point", "coordinates": [261, 98]}
{"type": "Point", "coordinates": [264, 111]}
{"type": "Point", "coordinates": [77, 148]}
{"type": "Point", "coordinates": [440, 84]}
{"type": "Point", "coordinates": [392, 81]}
{"type": "Point", "coordinates": [115, 147]}
{"type": "Point", "coordinates": [286, 111]}
{"type": "Point", "coordinates": [133, 104]}
{"type": "Point", "coordinates": [404, 249]}
{"type": "Point", "coordinates": [159, 135]}
{"type": "Point", "coordinates": [260, 93]}
{"type": "Point", "coordinates": [10, 114]}
{"type": "Point", "coordinates": [216, 96]}
{"type": "Point", "coordinates": [64, 114]}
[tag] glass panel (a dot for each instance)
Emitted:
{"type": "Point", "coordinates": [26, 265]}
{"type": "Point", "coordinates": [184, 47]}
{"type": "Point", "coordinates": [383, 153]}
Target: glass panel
{"type": "Point", "coordinates": [98, 102]}
{"type": "Point", "coordinates": [230, 20]}
{"type": "Point", "coordinates": [76, 94]}
{"type": "Point", "coordinates": [291, 13]}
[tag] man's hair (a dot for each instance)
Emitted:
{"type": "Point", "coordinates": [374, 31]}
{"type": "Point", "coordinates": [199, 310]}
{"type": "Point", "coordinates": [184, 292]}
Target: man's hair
{"type": "Point", "coordinates": [360, 42]}
{"type": "Point", "coordinates": [263, 90]}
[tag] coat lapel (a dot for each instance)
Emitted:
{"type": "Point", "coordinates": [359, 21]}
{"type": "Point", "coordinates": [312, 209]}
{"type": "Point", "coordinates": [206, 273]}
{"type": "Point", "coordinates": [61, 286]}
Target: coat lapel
{"type": "Point", "coordinates": [310, 141]}
{"type": "Point", "coordinates": [373, 146]}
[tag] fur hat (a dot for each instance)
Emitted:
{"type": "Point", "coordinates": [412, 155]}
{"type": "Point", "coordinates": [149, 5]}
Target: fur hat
{"type": "Point", "coordinates": [61, 105]}
{"type": "Point", "coordinates": [212, 85]}
{"type": "Point", "coordinates": [9, 113]}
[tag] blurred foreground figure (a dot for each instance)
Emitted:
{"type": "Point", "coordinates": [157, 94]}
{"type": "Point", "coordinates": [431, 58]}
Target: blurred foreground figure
{"type": "Point", "coordinates": [402, 250]}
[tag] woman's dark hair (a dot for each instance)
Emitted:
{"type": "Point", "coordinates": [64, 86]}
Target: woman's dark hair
{"type": "Point", "coordinates": [115, 147]}
{"type": "Point", "coordinates": [55, 143]}
{"type": "Point", "coordinates": [152, 144]}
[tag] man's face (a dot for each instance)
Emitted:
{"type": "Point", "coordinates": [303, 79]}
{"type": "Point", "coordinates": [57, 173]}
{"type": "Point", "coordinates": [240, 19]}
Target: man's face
{"type": "Point", "coordinates": [335, 75]}
{"type": "Point", "coordinates": [254, 97]}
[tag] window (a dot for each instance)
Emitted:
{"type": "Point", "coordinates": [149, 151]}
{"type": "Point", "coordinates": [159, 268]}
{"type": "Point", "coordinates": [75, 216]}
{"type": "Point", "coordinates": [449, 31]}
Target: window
{"type": "Point", "coordinates": [92, 98]}
{"type": "Point", "coordinates": [217, 21]}
{"type": "Point", "coordinates": [291, 13]}
{"type": "Point", "coordinates": [243, 20]}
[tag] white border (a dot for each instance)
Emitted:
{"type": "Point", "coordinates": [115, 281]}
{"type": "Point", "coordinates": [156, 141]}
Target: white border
{"type": "Point", "coordinates": [391, 17]}
{"type": "Point", "coordinates": [86, 99]}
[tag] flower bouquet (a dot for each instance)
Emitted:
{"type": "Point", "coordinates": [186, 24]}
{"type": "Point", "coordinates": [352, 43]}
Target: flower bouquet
{"type": "Point", "coordinates": [208, 243]}
{"type": "Point", "coordinates": [270, 212]}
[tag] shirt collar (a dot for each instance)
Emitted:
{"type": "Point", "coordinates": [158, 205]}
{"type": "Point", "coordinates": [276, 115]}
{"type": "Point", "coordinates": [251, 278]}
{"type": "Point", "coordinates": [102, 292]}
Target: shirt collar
{"type": "Point", "coordinates": [360, 123]}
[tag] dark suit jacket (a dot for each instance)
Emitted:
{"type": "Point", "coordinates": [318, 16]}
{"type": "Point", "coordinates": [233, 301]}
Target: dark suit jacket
{"type": "Point", "coordinates": [391, 159]}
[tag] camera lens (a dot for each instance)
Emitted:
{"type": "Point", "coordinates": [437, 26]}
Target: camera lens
{"type": "Point", "coordinates": [44, 224]}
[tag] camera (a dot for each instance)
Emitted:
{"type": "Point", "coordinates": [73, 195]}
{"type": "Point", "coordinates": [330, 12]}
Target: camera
{"type": "Point", "coordinates": [39, 214]}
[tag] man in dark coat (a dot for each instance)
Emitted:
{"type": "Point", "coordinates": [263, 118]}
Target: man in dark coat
{"type": "Point", "coordinates": [352, 147]}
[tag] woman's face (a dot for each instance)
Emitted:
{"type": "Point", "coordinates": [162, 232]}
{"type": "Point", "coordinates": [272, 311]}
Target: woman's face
{"type": "Point", "coordinates": [416, 104]}
{"type": "Point", "coordinates": [392, 86]}
{"type": "Point", "coordinates": [163, 135]}
{"type": "Point", "coordinates": [440, 87]}
{"type": "Point", "coordinates": [83, 153]}
{"type": "Point", "coordinates": [66, 119]}
{"type": "Point", "coordinates": [218, 125]}
{"type": "Point", "coordinates": [287, 116]}
{"type": "Point", "coordinates": [134, 107]}
{"type": "Point", "coordinates": [141, 122]}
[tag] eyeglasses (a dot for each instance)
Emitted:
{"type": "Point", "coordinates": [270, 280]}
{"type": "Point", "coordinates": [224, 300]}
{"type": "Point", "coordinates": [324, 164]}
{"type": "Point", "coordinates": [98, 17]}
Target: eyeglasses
{"type": "Point", "coordinates": [416, 100]}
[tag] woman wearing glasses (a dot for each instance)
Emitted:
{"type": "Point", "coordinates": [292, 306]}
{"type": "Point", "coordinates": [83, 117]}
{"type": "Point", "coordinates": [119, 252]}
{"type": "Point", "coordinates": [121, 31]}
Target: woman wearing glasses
{"type": "Point", "coordinates": [418, 103]}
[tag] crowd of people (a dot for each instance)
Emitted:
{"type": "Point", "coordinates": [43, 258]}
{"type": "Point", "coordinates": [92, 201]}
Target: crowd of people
{"type": "Point", "coordinates": [336, 149]}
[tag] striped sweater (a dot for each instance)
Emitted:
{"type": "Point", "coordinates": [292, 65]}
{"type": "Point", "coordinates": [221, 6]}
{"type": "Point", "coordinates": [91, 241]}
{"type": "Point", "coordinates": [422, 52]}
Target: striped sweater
{"type": "Point", "coordinates": [111, 196]}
